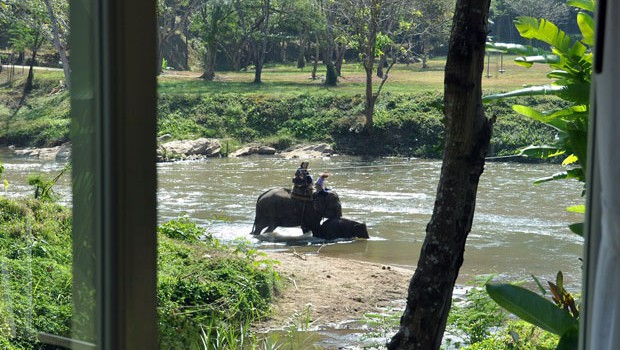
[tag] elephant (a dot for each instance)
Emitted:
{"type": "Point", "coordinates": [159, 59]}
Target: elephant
{"type": "Point", "coordinates": [276, 208]}
{"type": "Point", "coordinates": [335, 228]}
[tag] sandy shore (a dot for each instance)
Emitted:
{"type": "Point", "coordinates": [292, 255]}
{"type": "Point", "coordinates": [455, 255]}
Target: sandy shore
{"type": "Point", "coordinates": [334, 291]}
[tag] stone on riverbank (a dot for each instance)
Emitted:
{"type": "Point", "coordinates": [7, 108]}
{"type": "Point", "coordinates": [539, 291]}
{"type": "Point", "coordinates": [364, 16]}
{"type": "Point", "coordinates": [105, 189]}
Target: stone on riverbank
{"type": "Point", "coordinates": [309, 151]}
{"type": "Point", "coordinates": [253, 149]}
{"type": "Point", "coordinates": [189, 149]}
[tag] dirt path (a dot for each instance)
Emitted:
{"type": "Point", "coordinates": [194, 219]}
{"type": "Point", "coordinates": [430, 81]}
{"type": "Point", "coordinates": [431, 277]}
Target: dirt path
{"type": "Point", "coordinates": [333, 290]}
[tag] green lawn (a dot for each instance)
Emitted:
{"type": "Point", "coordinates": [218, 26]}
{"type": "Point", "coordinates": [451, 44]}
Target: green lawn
{"type": "Point", "coordinates": [283, 80]}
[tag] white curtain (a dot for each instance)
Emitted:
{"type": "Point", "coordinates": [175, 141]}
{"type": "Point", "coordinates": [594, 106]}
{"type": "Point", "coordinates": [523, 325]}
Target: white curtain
{"type": "Point", "coordinates": [602, 316]}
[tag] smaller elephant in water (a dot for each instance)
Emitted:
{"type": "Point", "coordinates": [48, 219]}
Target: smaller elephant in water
{"type": "Point", "coordinates": [342, 228]}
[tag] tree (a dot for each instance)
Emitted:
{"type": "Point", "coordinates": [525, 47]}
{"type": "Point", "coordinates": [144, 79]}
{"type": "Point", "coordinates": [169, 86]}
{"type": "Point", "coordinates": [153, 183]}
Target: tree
{"type": "Point", "coordinates": [430, 28]}
{"type": "Point", "coordinates": [214, 16]}
{"type": "Point", "coordinates": [364, 20]}
{"type": "Point", "coordinates": [468, 132]}
{"type": "Point", "coordinates": [172, 16]}
{"type": "Point", "coordinates": [261, 44]}
{"type": "Point", "coordinates": [58, 11]}
{"type": "Point", "coordinates": [46, 21]}
{"type": "Point", "coordinates": [328, 9]}
{"type": "Point", "coordinates": [26, 28]}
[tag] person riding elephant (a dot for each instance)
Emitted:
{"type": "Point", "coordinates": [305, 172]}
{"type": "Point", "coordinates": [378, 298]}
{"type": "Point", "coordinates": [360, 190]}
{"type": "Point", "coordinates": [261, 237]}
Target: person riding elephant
{"type": "Point", "coordinates": [302, 182]}
{"type": "Point", "coordinates": [320, 186]}
{"type": "Point", "coordinates": [276, 207]}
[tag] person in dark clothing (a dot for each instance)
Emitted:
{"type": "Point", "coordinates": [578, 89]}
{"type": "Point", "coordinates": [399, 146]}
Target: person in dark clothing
{"type": "Point", "coordinates": [302, 181]}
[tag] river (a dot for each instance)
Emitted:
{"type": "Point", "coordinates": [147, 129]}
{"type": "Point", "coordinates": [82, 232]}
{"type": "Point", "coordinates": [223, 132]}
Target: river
{"type": "Point", "coordinates": [519, 229]}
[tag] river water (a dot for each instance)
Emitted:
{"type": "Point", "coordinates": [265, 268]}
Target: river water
{"type": "Point", "coordinates": [519, 229]}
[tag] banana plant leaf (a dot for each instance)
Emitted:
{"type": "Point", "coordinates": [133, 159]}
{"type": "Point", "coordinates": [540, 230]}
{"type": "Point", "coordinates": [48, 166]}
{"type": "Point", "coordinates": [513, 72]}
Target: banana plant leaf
{"type": "Point", "coordinates": [588, 5]}
{"type": "Point", "coordinates": [555, 120]}
{"type": "Point", "coordinates": [587, 26]}
{"type": "Point", "coordinates": [569, 340]}
{"type": "Point", "coordinates": [543, 30]}
{"type": "Point", "coordinates": [532, 308]}
{"type": "Point", "coordinates": [576, 173]}
{"type": "Point", "coordinates": [540, 152]}
{"type": "Point", "coordinates": [576, 228]}
{"type": "Point", "coordinates": [528, 61]}
{"type": "Point", "coordinates": [515, 49]}
{"type": "Point", "coordinates": [529, 91]}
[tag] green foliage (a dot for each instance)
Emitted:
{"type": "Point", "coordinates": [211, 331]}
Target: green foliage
{"type": "Point", "coordinates": [184, 229]}
{"type": "Point", "coordinates": [201, 283]}
{"type": "Point", "coordinates": [407, 124]}
{"type": "Point", "coordinates": [571, 61]}
{"type": "Point", "coordinates": [5, 182]}
{"type": "Point", "coordinates": [35, 271]}
{"type": "Point", "coordinates": [43, 187]}
{"type": "Point", "coordinates": [517, 335]}
{"type": "Point", "coordinates": [560, 317]}
{"type": "Point", "coordinates": [475, 317]}
{"type": "Point", "coordinates": [532, 308]}
{"type": "Point", "coordinates": [45, 119]}
{"type": "Point", "coordinates": [208, 288]}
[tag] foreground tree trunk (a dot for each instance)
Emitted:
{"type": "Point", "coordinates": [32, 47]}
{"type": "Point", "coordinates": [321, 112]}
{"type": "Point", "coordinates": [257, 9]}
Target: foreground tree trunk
{"type": "Point", "coordinates": [468, 133]}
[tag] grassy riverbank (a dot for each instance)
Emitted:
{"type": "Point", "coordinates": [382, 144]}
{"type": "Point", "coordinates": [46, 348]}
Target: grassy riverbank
{"type": "Point", "coordinates": [203, 286]}
{"type": "Point", "coordinates": [290, 108]}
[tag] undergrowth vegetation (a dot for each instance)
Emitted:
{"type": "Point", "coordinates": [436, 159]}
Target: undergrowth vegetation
{"type": "Point", "coordinates": [406, 123]}
{"type": "Point", "coordinates": [475, 322]}
{"type": "Point", "coordinates": [203, 285]}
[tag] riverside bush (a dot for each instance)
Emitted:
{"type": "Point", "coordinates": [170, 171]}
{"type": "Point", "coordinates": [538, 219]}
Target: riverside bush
{"type": "Point", "coordinates": [405, 124]}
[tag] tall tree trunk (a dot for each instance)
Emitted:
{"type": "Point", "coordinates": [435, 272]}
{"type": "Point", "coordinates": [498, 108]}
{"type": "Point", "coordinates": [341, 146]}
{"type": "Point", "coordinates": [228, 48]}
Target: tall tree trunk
{"type": "Point", "coordinates": [331, 76]}
{"type": "Point", "coordinates": [30, 78]}
{"type": "Point", "coordinates": [317, 52]}
{"type": "Point", "coordinates": [424, 56]}
{"type": "Point", "coordinates": [381, 64]}
{"type": "Point", "coordinates": [186, 47]}
{"type": "Point", "coordinates": [260, 55]}
{"type": "Point", "coordinates": [468, 133]}
{"type": "Point", "coordinates": [301, 57]}
{"type": "Point", "coordinates": [340, 50]}
{"type": "Point", "coordinates": [369, 107]}
{"type": "Point", "coordinates": [283, 47]}
{"type": "Point", "coordinates": [211, 55]}
{"type": "Point", "coordinates": [58, 45]}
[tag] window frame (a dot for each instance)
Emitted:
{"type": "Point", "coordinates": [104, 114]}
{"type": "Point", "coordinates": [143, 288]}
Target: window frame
{"type": "Point", "coordinates": [113, 108]}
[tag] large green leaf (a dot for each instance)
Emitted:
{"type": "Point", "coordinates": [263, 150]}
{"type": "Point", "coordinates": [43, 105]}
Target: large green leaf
{"type": "Point", "coordinates": [587, 27]}
{"type": "Point", "coordinates": [540, 152]}
{"type": "Point", "coordinates": [554, 177]}
{"type": "Point", "coordinates": [578, 93]}
{"type": "Point", "coordinates": [543, 30]}
{"type": "Point", "coordinates": [588, 5]}
{"type": "Point", "coordinates": [569, 340]}
{"type": "Point", "coordinates": [515, 49]}
{"type": "Point", "coordinates": [554, 120]}
{"type": "Point", "coordinates": [577, 228]}
{"type": "Point", "coordinates": [575, 173]}
{"type": "Point", "coordinates": [529, 91]}
{"type": "Point", "coordinates": [528, 61]}
{"type": "Point", "coordinates": [532, 308]}
{"type": "Point", "coordinates": [560, 74]}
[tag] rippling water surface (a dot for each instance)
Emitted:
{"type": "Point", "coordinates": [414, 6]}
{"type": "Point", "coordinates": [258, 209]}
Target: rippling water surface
{"type": "Point", "coordinates": [519, 229]}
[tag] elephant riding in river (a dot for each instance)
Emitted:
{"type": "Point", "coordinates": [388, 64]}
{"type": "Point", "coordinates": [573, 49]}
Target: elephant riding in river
{"type": "Point", "coordinates": [276, 208]}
